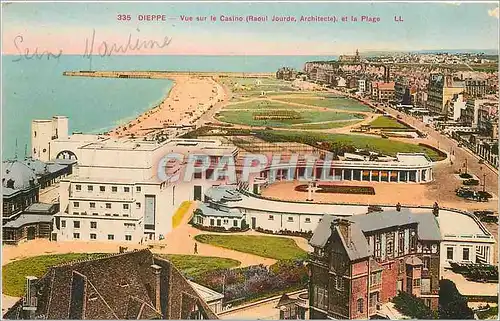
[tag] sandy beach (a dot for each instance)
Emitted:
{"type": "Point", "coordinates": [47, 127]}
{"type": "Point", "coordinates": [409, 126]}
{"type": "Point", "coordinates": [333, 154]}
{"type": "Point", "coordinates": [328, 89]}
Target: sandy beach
{"type": "Point", "coordinates": [189, 98]}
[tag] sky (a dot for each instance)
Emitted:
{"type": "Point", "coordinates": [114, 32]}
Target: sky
{"type": "Point", "coordinates": [67, 27]}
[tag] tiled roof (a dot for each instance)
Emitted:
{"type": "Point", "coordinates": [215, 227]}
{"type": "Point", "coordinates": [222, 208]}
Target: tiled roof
{"type": "Point", "coordinates": [25, 219]}
{"type": "Point", "coordinates": [122, 286]}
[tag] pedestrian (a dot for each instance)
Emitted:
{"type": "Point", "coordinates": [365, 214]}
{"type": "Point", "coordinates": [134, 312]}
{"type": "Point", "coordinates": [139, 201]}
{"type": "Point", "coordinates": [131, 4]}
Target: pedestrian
{"type": "Point", "coordinates": [195, 248]}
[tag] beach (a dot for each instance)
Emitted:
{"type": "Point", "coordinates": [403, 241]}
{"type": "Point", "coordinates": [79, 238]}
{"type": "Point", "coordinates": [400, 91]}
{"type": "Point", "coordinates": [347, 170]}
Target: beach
{"type": "Point", "coordinates": [189, 98]}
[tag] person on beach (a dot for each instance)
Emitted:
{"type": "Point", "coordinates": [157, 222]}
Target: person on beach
{"type": "Point", "coordinates": [195, 248]}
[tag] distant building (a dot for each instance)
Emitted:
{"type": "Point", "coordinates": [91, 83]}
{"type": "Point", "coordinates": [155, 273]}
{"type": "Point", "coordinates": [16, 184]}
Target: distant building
{"type": "Point", "coordinates": [133, 285]}
{"type": "Point", "coordinates": [286, 73]}
{"type": "Point", "coordinates": [470, 114]}
{"type": "Point", "coordinates": [362, 85]}
{"type": "Point", "coordinates": [458, 105]}
{"type": "Point", "coordinates": [383, 91]}
{"type": "Point", "coordinates": [476, 88]}
{"type": "Point", "coordinates": [350, 58]}
{"type": "Point", "coordinates": [359, 264]}
{"type": "Point", "coordinates": [440, 91]}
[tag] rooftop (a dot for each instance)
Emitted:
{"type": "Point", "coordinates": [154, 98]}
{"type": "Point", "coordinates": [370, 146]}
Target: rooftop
{"type": "Point", "coordinates": [25, 219]}
{"type": "Point", "coordinates": [206, 294]}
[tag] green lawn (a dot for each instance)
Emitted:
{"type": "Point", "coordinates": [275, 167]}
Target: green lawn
{"type": "Point", "coordinates": [387, 122]}
{"type": "Point", "coordinates": [327, 125]}
{"type": "Point", "coordinates": [278, 248]}
{"type": "Point", "coordinates": [334, 103]}
{"type": "Point", "coordinates": [259, 104]}
{"type": "Point", "coordinates": [313, 116]}
{"type": "Point", "coordinates": [195, 265]}
{"type": "Point", "coordinates": [376, 144]}
{"type": "Point", "coordinates": [14, 273]}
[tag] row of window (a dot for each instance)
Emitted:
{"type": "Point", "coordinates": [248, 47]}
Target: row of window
{"type": "Point", "coordinates": [390, 250]}
{"type": "Point", "coordinates": [93, 224]}
{"type": "Point", "coordinates": [224, 221]}
{"type": "Point", "coordinates": [90, 188]}
{"type": "Point", "coordinates": [465, 254]}
{"type": "Point", "coordinates": [107, 205]}
{"type": "Point", "coordinates": [291, 219]}
{"type": "Point", "coordinates": [105, 214]}
{"type": "Point", "coordinates": [93, 236]}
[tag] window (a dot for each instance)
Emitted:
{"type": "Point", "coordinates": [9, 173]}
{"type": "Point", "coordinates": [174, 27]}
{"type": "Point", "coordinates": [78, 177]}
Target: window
{"type": "Point", "coordinates": [137, 205]}
{"type": "Point", "coordinates": [416, 282]}
{"type": "Point", "coordinates": [413, 240]}
{"type": "Point", "coordinates": [426, 262]}
{"type": "Point", "coordinates": [339, 283]}
{"type": "Point", "coordinates": [197, 175]}
{"type": "Point", "coordinates": [235, 223]}
{"type": "Point", "coordinates": [307, 220]}
{"type": "Point", "coordinates": [111, 237]}
{"type": "Point", "coordinates": [76, 235]}
{"type": "Point", "coordinates": [137, 188]}
{"type": "Point", "coordinates": [360, 305]}
{"type": "Point", "coordinates": [378, 248]}
{"type": "Point", "coordinates": [93, 224]}
{"type": "Point", "coordinates": [108, 205]}
{"type": "Point", "coordinates": [93, 236]}
{"type": "Point", "coordinates": [376, 278]}
{"type": "Point", "coordinates": [126, 189]}
{"type": "Point", "coordinates": [78, 187]}
{"type": "Point", "coordinates": [218, 222]}
{"type": "Point", "coordinates": [290, 218]}
{"type": "Point", "coordinates": [125, 206]}
{"type": "Point", "coordinates": [390, 247]}
{"type": "Point", "coordinates": [90, 188]}
{"type": "Point", "coordinates": [114, 189]}
{"type": "Point", "coordinates": [92, 205]}
{"type": "Point", "coordinates": [76, 204]}
{"type": "Point", "coordinates": [212, 222]}
{"type": "Point", "coordinates": [115, 214]}
{"type": "Point", "coordinates": [465, 254]}
{"type": "Point", "coordinates": [320, 297]}
{"type": "Point", "coordinates": [95, 213]}
{"type": "Point", "coordinates": [425, 285]}
{"type": "Point", "coordinates": [63, 223]}
{"type": "Point", "coordinates": [449, 253]}
{"type": "Point", "coordinates": [401, 242]}
{"type": "Point", "coordinates": [271, 217]}
{"type": "Point", "coordinates": [76, 224]}
{"type": "Point", "coordinates": [401, 266]}
{"type": "Point", "coordinates": [226, 221]}
{"type": "Point", "coordinates": [374, 298]}
{"type": "Point", "coordinates": [75, 213]}
{"type": "Point", "coordinates": [128, 237]}
{"type": "Point", "coordinates": [107, 214]}
{"type": "Point", "coordinates": [102, 188]}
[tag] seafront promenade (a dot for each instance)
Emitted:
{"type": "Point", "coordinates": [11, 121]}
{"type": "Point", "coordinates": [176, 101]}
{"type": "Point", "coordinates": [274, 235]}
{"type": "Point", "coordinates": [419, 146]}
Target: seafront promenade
{"type": "Point", "coordinates": [164, 74]}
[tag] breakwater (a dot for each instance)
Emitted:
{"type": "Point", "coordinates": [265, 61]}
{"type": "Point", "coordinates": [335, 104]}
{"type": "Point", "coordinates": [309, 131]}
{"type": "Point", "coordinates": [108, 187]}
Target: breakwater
{"type": "Point", "coordinates": [164, 74]}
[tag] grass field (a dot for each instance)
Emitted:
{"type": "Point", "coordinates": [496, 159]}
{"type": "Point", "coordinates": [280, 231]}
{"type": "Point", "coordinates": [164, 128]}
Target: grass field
{"type": "Point", "coordinates": [247, 118]}
{"type": "Point", "coordinates": [278, 248]}
{"type": "Point", "coordinates": [387, 122]}
{"type": "Point", "coordinates": [13, 276]}
{"type": "Point", "coordinates": [333, 103]}
{"type": "Point", "coordinates": [259, 104]}
{"type": "Point", "coordinates": [195, 265]}
{"type": "Point", "coordinates": [326, 125]}
{"type": "Point", "coordinates": [179, 214]}
{"type": "Point", "coordinates": [381, 145]}
{"type": "Point", "coordinates": [14, 273]}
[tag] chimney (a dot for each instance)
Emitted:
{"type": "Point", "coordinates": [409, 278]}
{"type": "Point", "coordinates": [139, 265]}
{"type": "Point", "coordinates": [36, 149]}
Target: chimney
{"type": "Point", "coordinates": [344, 227]}
{"type": "Point", "coordinates": [157, 274]}
{"type": "Point", "coordinates": [30, 299]}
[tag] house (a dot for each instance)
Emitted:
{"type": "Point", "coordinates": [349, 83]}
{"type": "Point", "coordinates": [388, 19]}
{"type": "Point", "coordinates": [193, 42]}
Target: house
{"type": "Point", "coordinates": [34, 222]}
{"type": "Point", "coordinates": [361, 263]}
{"type": "Point", "coordinates": [131, 285]}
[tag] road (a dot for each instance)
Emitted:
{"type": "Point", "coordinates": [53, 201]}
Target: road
{"type": "Point", "coordinates": [459, 154]}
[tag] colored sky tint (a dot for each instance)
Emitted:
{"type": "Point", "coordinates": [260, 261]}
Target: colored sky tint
{"type": "Point", "coordinates": [430, 26]}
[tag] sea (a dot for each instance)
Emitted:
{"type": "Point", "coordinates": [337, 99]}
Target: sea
{"type": "Point", "coordinates": [36, 89]}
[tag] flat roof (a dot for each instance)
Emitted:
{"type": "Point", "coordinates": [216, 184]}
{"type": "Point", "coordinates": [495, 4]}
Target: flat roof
{"type": "Point", "coordinates": [39, 207]}
{"type": "Point", "coordinates": [123, 144]}
{"type": "Point", "coordinates": [24, 219]}
{"type": "Point", "coordinates": [208, 295]}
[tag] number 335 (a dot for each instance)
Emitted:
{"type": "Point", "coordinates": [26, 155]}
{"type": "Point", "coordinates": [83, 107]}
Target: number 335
{"type": "Point", "coordinates": [123, 17]}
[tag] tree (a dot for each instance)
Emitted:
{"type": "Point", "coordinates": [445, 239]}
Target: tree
{"type": "Point", "coordinates": [411, 306]}
{"type": "Point", "coordinates": [452, 304]}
